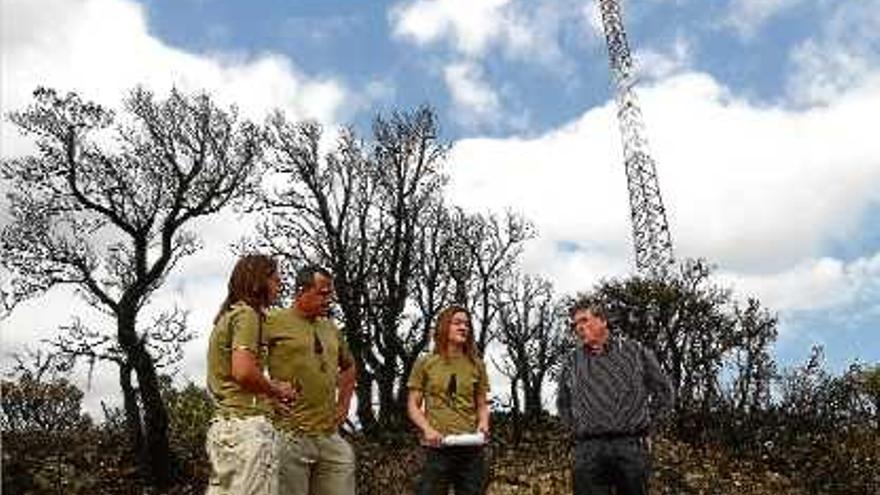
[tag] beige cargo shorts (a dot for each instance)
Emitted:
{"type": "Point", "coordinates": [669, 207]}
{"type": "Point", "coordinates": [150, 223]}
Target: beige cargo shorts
{"type": "Point", "coordinates": [244, 456]}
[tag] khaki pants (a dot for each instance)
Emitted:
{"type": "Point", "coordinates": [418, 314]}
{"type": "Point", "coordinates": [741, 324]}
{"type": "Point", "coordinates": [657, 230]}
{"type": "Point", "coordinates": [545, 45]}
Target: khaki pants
{"type": "Point", "coordinates": [315, 465]}
{"type": "Point", "coordinates": [244, 456]}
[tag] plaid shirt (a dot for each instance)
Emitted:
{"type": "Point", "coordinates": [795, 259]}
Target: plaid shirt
{"type": "Point", "coordinates": [621, 390]}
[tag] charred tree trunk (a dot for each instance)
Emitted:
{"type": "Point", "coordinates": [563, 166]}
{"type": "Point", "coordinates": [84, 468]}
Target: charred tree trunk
{"type": "Point", "coordinates": [132, 415]}
{"type": "Point", "coordinates": [516, 417]}
{"type": "Point", "coordinates": [154, 450]}
{"type": "Point", "coordinates": [155, 420]}
{"type": "Point", "coordinates": [532, 399]}
{"type": "Point", "coordinates": [391, 414]}
{"type": "Point", "coordinates": [365, 414]}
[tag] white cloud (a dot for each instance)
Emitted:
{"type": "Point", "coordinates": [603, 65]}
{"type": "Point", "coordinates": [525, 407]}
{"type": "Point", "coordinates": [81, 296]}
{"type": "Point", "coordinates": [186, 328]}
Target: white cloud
{"type": "Point", "coordinates": [470, 25]}
{"type": "Point", "coordinates": [524, 31]}
{"type": "Point", "coordinates": [659, 64]}
{"type": "Point", "coordinates": [757, 190]}
{"type": "Point", "coordinates": [814, 284]}
{"type": "Point", "coordinates": [196, 285]}
{"type": "Point", "coordinates": [474, 101]}
{"type": "Point", "coordinates": [821, 73]}
{"type": "Point", "coordinates": [35, 321]}
{"type": "Point", "coordinates": [102, 48]}
{"type": "Point", "coordinates": [747, 16]}
{"type": "Point", "coordinates": [650, 63]}
{"type": "Point", "coordinates": [592, 16]}
{"type": "Point", "coordinates": [840, 57]}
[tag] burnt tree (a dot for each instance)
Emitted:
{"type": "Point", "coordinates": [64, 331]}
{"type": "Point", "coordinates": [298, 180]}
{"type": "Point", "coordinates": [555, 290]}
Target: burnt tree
{"type": "Point", "coordinates": [104, 206]}
{"type": "Point", "coordinates": [407, 158]}
{"type": "Point", "coordinates": [358, 210]}
{"type": "Point", "coordinates": [317, 210]}
{"type": "Point", "coordinates": [532, 329]}
{"type": "Point", "coordinates": [490, 249]}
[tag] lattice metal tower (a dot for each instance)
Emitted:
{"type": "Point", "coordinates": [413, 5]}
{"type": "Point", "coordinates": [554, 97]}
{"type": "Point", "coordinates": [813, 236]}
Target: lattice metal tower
{"type": "Point", "coordinates": [653, 243]}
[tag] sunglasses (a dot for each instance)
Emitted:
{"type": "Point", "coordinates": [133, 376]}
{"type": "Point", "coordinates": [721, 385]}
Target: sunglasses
{"type": "Point", "coordinates": [318, 350]}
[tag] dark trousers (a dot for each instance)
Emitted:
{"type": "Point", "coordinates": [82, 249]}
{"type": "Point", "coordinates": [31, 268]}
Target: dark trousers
{"type": "Point", "coordinates": [462, 468]}
{"type": "Point", "coordinates": [622, 463]}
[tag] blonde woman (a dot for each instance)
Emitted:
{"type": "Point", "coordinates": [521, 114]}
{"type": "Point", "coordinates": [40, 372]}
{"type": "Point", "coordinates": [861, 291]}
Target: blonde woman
{"type": "Point", "coordinates": [241, 441]}
{"type": "Point", "coordinates": [447, 398]}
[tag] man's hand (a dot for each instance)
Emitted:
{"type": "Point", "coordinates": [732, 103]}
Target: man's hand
{"type": "Point", "coordinates": [283, 394]}
{"type": "Point", "coordinates": [342, 413]}
{"type": "Point", "coordinates": [432, 437]}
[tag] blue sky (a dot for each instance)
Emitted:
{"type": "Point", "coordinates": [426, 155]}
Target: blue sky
{"type": "Point", "coordinates": [357, 43]}
{"type": "Point", "coordinates": [760, 114]}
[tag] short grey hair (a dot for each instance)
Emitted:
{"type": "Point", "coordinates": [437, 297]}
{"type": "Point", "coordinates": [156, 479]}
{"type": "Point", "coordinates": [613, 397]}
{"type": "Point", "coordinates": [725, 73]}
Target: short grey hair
{"type": "Point", "coordinates": [305, 277]}
{"type": "Point", "coordinates": [590, 304]}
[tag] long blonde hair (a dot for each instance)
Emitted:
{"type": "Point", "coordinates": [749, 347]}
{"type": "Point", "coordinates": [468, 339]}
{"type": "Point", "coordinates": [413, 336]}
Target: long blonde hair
{"type": "Point", "coordinates": [249, 282]}
{"type": "Point", "coordinates": [441, 332]}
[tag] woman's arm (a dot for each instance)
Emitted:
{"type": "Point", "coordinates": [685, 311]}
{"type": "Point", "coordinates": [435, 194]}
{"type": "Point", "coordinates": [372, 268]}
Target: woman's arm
{"type": "Point", "coordinates": [483, 414]}
{"type": "Point", "coordinates": [246, 372]}
{"type": "Point", "coordinates": [430, 436]}
{"type": "Point", "coordinates": [481, 398]}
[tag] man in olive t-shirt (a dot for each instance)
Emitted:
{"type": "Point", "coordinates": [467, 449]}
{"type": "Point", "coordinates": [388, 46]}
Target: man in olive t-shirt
{"type": "Point", "coordinates": [308, 350]}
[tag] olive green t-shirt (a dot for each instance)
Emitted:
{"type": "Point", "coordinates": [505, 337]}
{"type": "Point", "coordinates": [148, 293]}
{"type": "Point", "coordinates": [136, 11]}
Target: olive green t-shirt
{"type": "Point", "coordinates": [450, 386]}
{"type": "Point", "coordinates": [238, 328]}
{"type": "Point", "coordinates": [308, 354]}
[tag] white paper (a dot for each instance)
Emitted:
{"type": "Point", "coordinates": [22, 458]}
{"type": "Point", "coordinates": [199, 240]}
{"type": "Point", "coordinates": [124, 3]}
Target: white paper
{"type": "Point", "coordinates": [464, 439]}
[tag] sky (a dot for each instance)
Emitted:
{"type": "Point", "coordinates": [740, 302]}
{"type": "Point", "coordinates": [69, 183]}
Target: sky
{"type": "Point", "coordinates": [761, 116]}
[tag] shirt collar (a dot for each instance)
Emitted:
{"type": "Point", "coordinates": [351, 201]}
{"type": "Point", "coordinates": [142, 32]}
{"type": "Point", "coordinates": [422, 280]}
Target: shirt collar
{"type": "Point", "coordinates": [603, 349]}
{"type": "Point", "coordinates": [300, 316]}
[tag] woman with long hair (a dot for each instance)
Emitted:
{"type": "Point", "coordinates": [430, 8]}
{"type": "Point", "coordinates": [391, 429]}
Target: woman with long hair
{"type": "Point", "coordinates": [241, 442]}
{"type": "Point", "coordinates": [447, 402]}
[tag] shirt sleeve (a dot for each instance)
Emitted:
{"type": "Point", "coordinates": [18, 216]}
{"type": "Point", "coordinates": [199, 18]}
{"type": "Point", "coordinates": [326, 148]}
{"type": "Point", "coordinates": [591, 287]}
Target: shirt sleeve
{"type": "Point", "coordinates": [659, 388]}
{"type": "Point", "coordinates": [563, 394]}
{"type": "Point", "coordinates": [417, 376]}
{"type": "Point", "coordinates": [244, 325]}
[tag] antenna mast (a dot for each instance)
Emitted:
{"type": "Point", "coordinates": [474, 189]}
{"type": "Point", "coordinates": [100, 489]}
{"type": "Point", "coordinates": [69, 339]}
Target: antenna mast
{"type": "Point", "coordinates": [653, 242]}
